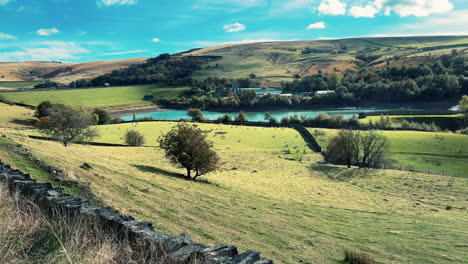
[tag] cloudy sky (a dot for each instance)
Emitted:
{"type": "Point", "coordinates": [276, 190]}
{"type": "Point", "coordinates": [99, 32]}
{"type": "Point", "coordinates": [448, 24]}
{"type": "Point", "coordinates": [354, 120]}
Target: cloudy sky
{"type": "Point", "coordinates": [86, 30]}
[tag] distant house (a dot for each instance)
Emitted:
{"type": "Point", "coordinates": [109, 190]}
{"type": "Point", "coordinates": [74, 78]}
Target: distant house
{"type": "Point", "coordinates": [260, 92]}
{"type": "Point", "coordinates": [107, 84]}
{"type": "Point", "coordinates": [323, 92]}
{"type": "Point", "coordinates": [219, 89]}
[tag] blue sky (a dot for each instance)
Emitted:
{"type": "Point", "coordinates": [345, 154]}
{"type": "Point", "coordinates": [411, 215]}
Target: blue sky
{"type": "Point", "coordinates": [87, 30]}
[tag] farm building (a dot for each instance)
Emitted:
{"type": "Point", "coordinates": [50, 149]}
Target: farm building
{"type": "Point", "coordinates": [259, 91]}
{"type": "Point", "coordinates": [323, 92]}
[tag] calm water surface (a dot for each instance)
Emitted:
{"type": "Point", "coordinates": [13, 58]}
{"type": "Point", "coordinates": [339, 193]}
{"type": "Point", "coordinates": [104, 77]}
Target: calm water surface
{"type": "Point", "coordinates": [258, 116]}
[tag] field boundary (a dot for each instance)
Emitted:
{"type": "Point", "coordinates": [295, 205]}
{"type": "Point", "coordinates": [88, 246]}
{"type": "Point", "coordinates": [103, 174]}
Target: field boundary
{"type": "Point", "coordinates": [308, 137]}
{"type": "Point", "coordinates": [173, 249]}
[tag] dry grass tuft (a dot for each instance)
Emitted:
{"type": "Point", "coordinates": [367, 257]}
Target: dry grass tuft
{"type": "Point", "coordinates": [28, 236]}
{"type": "Point", "coordinates": [354, 257]}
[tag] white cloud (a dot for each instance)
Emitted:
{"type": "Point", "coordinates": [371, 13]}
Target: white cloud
{"type": "Point", "coordinates": [419, 7]}
{"type": "Point", "coordinates": [4, 36]}
{"type": "Point", "coordinates": [125, 52]}
{"type": "Point", "coordinates": [44, 51]}
{"type": "Point", "coordinates": [104, 3]}
{"type": "Point", "coordinates": [236, 27]}
{"type": "Point", "coordinates": [454, 23]}
{"type": "Point", "coordinates": [245, 41]}
{"type": "Point", "coordinates": [367, 11]}
{"type": "Point", "coordinates": [318, 25]}
{"type": "Point", "coordinates": [332, 7]}
{"type": "Point", "coordinates": [47, 32]}
{"type": "Point", "coordinates": [4, 2]}
{"type": "Point", "coordinates": [403, 8]}
{"type": "Point", "coordinates": [155, 40]}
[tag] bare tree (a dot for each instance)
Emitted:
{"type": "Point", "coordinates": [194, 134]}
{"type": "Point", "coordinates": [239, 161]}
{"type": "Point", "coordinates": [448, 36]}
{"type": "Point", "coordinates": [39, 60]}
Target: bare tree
{"type": "Point", "coordinates": [364, 149]}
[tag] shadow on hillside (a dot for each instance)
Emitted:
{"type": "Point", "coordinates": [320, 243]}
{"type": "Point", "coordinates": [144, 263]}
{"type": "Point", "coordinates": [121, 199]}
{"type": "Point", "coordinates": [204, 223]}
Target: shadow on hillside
{"type": "Point", "coordinates": [341, 173]}
{"type": "Point", "coordinates": [164, 172]}
{"type": "Point", "coordinates": [24, 122]}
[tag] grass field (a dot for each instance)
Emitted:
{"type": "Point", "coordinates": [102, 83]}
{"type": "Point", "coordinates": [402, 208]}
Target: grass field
{"type": "Point", "coordinates": [443, 121]}
{"type": "Point", "coordinates": [16, 85]}
{"type": "Point", "coordinates": [437, 152]}
{"type": "Point", "coordinates": [280, 61]}
{"type": "Point", "coordinates": [97, 97]}
{"type": "Point", "coordinates": [290, 211]}
{"type": "Point", "coordinates": [15, 116]}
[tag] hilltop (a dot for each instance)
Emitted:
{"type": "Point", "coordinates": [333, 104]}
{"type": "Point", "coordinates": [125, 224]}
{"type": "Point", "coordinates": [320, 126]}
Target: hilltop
{"type": "Point", "coordinates": [284, 60]}
{"type": "Point", "coordinates": [61, 72]}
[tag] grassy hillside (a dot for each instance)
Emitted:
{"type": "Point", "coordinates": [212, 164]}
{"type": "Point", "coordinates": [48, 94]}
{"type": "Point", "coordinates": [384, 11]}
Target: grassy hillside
{"type": "Point", "coordinates": [443, 121]}
{"type": "Point", "coordinates": [15, 116]}
{"type": "Point", "coordinates": [276, 61]}
{"type": "Point", "coordinates": [290, 211]}
{"type": "Point", "coordinates": [101, 97]}
{"type": "Point", "coordinates": [437, 152]}
{"type": "Point", "coordinates": [60, 72]}
{"type": "Point", "coordinates": [4, 86]}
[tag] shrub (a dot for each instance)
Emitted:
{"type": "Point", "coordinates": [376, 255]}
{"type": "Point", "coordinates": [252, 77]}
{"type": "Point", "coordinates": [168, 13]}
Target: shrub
{"type": "Point", "coordinates": [463, 131]}
{"type": "Point", "coordinates": [104, 116]}
{"type": "Point", "coordinates": [117, 120]}
{"type": "Point", "coordinates": [134, 138]}
{"type": "Point", "coordinates": [241, 117]}
{"type": "Point", "coordinates": [224, 118]}
{"type": "Point", "coordinates": [354, 257]}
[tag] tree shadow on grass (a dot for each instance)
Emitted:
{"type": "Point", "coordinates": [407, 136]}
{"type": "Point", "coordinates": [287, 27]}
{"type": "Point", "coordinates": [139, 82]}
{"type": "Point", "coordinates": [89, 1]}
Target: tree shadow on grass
{"type": "Point", "coordinates": [164, 172]}
{"type": "Point", "coordinates": [341, 173]}
{"type": "Point", "coordinates": [24, 122]}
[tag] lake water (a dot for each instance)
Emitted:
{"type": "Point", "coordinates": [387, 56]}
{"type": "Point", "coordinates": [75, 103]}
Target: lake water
{"type": "Point", "coordinates": [257, 116]}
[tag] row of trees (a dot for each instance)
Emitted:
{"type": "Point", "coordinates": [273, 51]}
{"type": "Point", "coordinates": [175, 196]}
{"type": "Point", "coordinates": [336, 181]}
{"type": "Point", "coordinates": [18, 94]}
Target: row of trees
{"type": "Point", "coordinates": [164, 69]}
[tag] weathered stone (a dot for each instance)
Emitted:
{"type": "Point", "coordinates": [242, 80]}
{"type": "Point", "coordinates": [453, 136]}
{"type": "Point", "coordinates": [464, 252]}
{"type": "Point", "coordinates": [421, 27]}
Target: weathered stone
{"type": "Point", "coordinates": [86, 166]}
{"type": "Point", "coordinates": [247, 257]}
{"type": "Point", "coordinates": [183, 254]}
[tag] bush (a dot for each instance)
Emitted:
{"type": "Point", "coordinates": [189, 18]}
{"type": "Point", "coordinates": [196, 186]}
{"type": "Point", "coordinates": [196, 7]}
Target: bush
{"type": "Point", "coordinates": [134, 138]}
{"type": "Point", "coordinates": [196, 115]}
{"type": "Point", "coordinates": [353, 257]}
{"type": "Point", "coordinates": [104, 116]}
{"type": "Point", "coordinates": [463, 131]}
{"type": "Point", "coordinates": [224, 118]}
{"type": "Point", "coordinates": [117, 120]}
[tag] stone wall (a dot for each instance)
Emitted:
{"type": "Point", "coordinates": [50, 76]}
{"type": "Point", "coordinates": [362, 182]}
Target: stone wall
{"type": "Point", "coordinates": [175, 249]}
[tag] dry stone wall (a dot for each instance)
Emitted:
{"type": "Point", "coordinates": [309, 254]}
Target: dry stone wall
{"type": "Point", "coordinates": [175, 249]}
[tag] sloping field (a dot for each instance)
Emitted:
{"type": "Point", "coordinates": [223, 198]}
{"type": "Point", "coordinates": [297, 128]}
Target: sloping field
{"type": "Point", "coordinates": [277, 61]}
{"type": "Point", "coordinates": [266, 200]}
{"type": "Point", "coordinates": [61, 72]}
{"type": "Point", "coordinates": [15, 116]}
{"type": "Point", "coordinates": [102, 97]}
{"type": "Point", "coordinates": [423, 151]}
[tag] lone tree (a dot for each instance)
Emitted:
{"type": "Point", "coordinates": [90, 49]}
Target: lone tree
{"type": "Point", "coordinates": [68, 124]}
{"type": "Point", "coordinates": [342, 148]}
{"type": "Point", "coordinates": [241, 117]}
{"type": "Point", "coordinates": [196, 114]}
{"type": "Point", "coordinates": [186, 146]}
{"type": "Point", "coordinates": [364, 149]}
{"type": "Point", "coordinates": [134, 138]}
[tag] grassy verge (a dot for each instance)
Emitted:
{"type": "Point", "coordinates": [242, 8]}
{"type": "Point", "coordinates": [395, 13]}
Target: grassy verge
{"type": "Point", "coordinates": [15, 116]}
{"type": "Point", "coordinates": [422, 151]}
{"type": "Point", "coordinates": [95, 97]}
{"type": "Point", "coordinates": [443, 121]}
{"type": "Point", "coordinates": [290, 208]}
{"type": "Point", "coordinates": [16, 85]}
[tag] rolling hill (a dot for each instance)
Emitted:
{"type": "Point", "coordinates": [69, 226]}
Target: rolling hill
{"type": "Point", "coordinates": [280, 61]}
{"type": "Point", "coordinates": [60, 72]}
{"type": "Point", "coordinates": [271, 62]}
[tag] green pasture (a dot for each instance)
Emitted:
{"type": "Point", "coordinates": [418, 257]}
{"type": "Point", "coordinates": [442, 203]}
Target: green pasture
{"type": "Point", "coordinates": [293, 208]}
{"type": "Point", "coordinates": [95, 97]}
{"type": "Point", "coordinates": [16, 85]}
{"type": "Point", "coordinates": [443, 121]}
{"type": "Point", "coordinates": [423, 151]}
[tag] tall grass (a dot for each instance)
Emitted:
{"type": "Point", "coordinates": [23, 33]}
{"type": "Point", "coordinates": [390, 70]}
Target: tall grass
{"type": "Point", "coordinates": [29, 236]}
